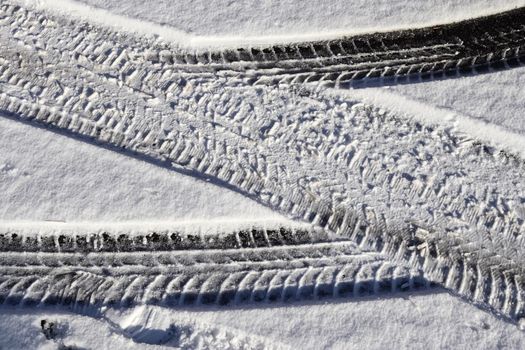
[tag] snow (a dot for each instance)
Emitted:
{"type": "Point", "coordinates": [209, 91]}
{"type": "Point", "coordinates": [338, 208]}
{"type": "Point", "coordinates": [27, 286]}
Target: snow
{"type": "Point", "coordinates": [429, 321]}
{"type": "Point", "coordinates": [495, 98]}
{"type": "Point", "coordinates": [43, 183]}
{"type": "Point", "coordinates": [232, 23]}
{"type": "Point", "coordinates": [483, 110]}
{"type": "Point", "coordinates": [42, 179]}
{"type": "Point", "coordinates": [495, 117]}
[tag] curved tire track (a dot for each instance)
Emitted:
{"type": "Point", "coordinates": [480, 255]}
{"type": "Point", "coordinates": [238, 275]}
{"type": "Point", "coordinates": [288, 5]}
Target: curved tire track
{"type": "Point", "coordinates": [476, 45]}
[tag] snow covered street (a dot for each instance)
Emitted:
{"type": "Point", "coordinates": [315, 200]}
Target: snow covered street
{"type": "Point", "coordinates": [262, 174]}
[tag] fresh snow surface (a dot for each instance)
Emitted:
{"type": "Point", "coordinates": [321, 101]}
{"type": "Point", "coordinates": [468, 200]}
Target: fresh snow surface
{"type": "Point", "coordinates": [418, 321]}
{"type": "Point", "coordinates": [486, 107]}
{"type": "Point", "coordinates": [495, 98]}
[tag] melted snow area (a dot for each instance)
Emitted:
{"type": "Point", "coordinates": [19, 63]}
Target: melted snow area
{"type": "Point", "coordinates": [52, 183]}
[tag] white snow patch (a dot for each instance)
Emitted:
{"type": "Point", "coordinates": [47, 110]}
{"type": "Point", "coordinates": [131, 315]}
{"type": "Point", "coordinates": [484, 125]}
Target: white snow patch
{"type": "Point", "coordinates": [495, 97]}
{"type": "Point", "coordinates": [417, 321]}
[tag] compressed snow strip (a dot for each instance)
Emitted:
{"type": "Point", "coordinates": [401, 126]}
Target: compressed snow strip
{"type": "Point", "coordinates": [141, 227]}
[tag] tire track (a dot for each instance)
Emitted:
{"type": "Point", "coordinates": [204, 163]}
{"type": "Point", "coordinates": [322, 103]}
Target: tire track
{"type": "Point", "coordinates": [492, 42]}
{"type": "Point", "coordinates": [348, 168]}
{"type": "Point", "coordinates": [219, 279]}
{"type": "Point", "coordinates": [19, 240]}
